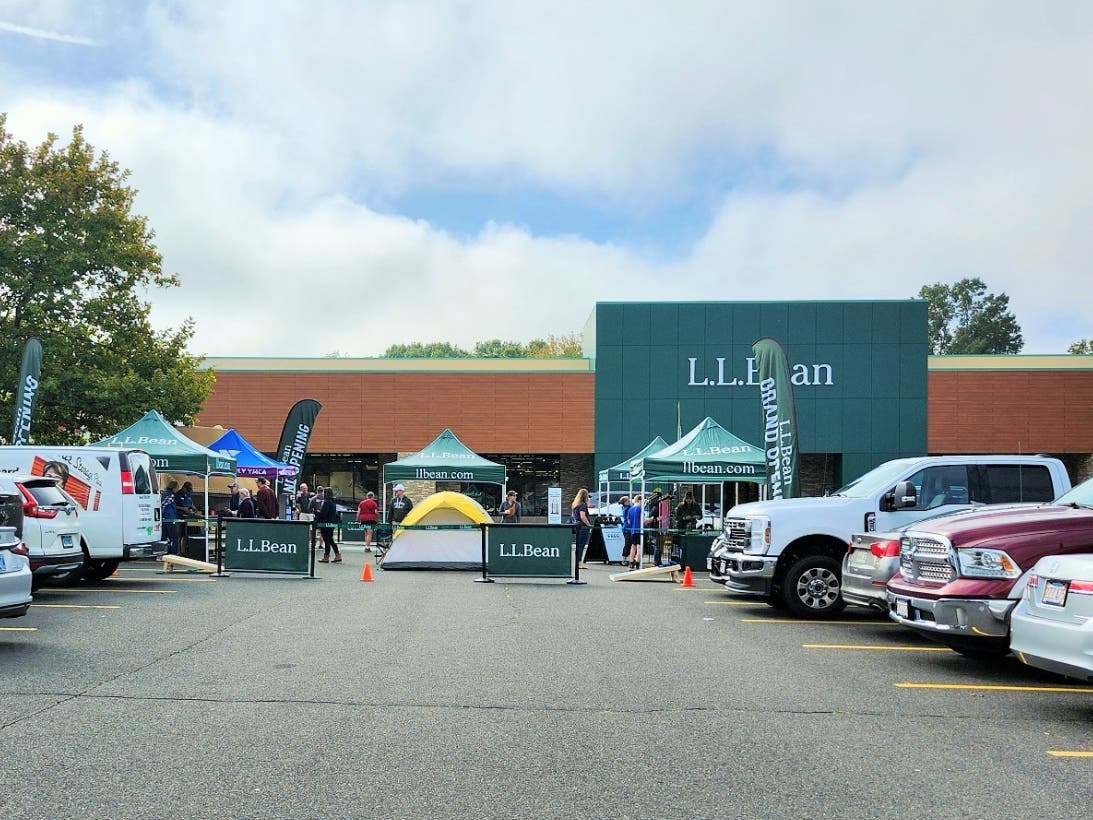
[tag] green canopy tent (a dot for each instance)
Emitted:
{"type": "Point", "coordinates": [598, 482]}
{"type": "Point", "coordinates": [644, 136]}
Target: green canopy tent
{"type": "Point", "coordinates": [708, 454]}
{"type": "Point", "coordinates": [170, 450]}
{"type": "Point", "coordinates": [620, 473]}
{"type": "Point", "coordinates": [445, 459]}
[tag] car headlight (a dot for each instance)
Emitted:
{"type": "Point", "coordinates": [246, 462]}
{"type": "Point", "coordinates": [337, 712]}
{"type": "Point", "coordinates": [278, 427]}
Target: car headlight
{"type": "Point", "coordinates": [987, 564]}
{"type": "Point", "coordinates": [758, 541]}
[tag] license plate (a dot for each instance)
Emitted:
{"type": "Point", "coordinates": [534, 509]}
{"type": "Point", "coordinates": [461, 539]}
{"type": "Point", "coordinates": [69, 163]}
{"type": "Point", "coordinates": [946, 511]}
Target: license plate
{"type": "Point", "coordinates": [903, 608]}
{"type": "Point", "coordinates": [1054, 593]}
{"type": "Point", "coordinates": [862, 559]}
{"type": "Point", "coordinates": [66, 541]}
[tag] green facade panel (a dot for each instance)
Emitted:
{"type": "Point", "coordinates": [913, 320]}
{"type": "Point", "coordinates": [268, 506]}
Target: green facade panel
{"type": "Point", "coordinates": [859, 371]}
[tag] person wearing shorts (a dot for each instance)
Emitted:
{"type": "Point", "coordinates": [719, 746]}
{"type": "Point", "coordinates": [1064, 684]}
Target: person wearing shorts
{"type": "Point", "coordinates": [368, 515]}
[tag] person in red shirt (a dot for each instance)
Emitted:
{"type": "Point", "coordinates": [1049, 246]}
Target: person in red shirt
{"type": "Point", "coordinates": [368, 515]}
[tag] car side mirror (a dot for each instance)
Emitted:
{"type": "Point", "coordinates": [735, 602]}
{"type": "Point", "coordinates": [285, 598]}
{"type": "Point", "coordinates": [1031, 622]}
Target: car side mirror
{"type": "Point", "coordinates": [903, 496]}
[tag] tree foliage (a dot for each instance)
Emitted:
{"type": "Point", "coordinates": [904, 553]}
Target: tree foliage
{"type": "Point", "coordinates": [964, 318]}
{"type": "Point", "coordinates": [1082, 347]}
{"type": "Point", "coordinates": [564, 347]}
{"type": "Point", "coordinates": [73, 258]}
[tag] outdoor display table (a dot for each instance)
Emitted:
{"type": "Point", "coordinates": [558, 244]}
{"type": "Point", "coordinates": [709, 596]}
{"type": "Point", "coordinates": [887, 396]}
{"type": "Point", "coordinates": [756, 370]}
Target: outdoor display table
{"type": "Point", "coordinates": [692, 548]}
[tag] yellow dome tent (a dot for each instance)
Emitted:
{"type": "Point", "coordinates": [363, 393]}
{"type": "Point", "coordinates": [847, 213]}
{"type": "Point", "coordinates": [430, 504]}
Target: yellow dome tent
{"type": "Point", "coordinates": [441, 548]}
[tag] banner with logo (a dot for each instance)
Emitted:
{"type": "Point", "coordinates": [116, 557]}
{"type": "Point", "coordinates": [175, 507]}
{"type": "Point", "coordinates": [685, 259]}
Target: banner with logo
{"type": "Point", "coordinates": [260, 545]}
{"type": "Point", "coordinates": [294, 438]}
{"type": "Point", "coordinates": [779, 418]}
{"type": "Point", "coordinates": [26, 392]}
{"type": "Point", "coordinates": [530, 551]}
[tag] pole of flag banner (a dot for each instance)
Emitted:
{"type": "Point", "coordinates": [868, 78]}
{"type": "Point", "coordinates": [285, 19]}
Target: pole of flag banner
{"type": "Point", "coordinates": [485, 579]}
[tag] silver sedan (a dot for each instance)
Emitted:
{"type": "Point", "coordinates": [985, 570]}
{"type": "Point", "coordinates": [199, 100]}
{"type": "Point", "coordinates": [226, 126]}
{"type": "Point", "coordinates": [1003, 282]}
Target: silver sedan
{"type": "Point", "coordinates": [15, 575]}
{"type": "Point", "coordinates": [872, 559]}
{"type": "Point", "coordinates": [1052, 625]}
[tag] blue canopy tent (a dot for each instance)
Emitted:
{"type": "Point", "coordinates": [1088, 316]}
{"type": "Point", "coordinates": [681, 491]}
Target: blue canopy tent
{"type": "Point", "coordinates": [248, 460]}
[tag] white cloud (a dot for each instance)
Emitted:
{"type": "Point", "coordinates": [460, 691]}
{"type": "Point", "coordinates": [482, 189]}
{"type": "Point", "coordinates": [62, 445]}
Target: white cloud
{"type": "Point", "coordinates": [850, 150]}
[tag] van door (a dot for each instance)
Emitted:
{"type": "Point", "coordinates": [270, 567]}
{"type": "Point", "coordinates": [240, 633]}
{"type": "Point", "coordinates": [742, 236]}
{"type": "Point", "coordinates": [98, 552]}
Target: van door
{"type": "Point", "coordinates": [139, 499]}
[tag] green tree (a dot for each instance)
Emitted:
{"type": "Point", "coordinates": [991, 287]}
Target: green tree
{"type": "Point", "coordinates": [1082, 347]}
{"type": "Point", "coordinates": [497, 349]}
{"type": "Point", "coordinates": [427, 350]}
{"type": "Point", "coordinates": [964, 318]}
{"type": "Point", "coordinates": [73, 258]}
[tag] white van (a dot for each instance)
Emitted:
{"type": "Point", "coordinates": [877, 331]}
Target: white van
{"type": "Point", "coordinates": [117, 493]}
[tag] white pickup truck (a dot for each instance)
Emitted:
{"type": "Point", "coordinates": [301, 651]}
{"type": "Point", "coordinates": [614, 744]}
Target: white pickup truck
{"type": "Point", "coordinates": [789, 552]}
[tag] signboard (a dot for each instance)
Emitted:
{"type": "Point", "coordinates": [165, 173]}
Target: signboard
{"type": "Point", "coordinates": [352, 529]}
{"type": "Point", "coordinates": [530, 550]}
{"type": "Point", "coordinates": [614, 541]}
{"type": "Point", "coordinates": [259, 545]}
{"type": "Point", "coordinates": [554, 505]}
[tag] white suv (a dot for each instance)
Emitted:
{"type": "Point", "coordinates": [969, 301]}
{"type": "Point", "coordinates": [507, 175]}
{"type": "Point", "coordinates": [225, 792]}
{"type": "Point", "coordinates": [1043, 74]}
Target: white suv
{"type": "Point", "coordinates": [50, 530]}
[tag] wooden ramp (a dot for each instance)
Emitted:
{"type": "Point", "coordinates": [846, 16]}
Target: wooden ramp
{"type": "Point", "coordinates": [172, 561]}
{"type": "Point", "coordinates": [648, 574]}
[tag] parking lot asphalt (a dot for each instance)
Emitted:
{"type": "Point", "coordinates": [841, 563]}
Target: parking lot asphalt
{"type": "Point", "coordinates": [424, 694]}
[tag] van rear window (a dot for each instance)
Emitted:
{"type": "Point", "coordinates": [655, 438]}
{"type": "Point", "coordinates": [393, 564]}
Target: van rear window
{"type": "Point", "coordinates": [144, 474]}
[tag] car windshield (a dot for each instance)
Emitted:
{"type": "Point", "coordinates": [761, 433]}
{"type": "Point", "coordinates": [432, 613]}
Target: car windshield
{"type": "Point", "coordinates": [1081, 496]}
{"type": "Point", "coordinates": [877, 479]}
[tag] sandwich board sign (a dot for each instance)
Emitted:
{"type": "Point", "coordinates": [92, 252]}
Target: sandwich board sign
{"type": "Point", "coordinates": [265, 545]}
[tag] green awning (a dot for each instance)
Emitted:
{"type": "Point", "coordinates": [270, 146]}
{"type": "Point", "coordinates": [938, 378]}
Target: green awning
{"type": "Point", "coordinates": [621, 471]}
{"type": "Point", "coordinates": [171, 451]}
{"type": "Point", "coordinates": [709, 454]}
{"type": "Point", "coordinates": [445, 459]}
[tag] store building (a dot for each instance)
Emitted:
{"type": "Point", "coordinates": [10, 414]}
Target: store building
{"type": "Point", "coordinates": [866, 390]}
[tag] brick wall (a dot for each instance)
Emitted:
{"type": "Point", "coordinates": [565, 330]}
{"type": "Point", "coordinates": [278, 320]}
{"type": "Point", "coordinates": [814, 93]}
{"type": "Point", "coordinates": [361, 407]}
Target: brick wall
{"type": "Point", "coordinates": [1010, 411]}
{"type": "Point", "coordinates": [384, 412]}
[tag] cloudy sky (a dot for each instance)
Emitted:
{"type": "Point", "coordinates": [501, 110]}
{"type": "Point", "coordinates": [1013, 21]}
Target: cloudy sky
{"type": "Point", "coordinates": [347, 174]}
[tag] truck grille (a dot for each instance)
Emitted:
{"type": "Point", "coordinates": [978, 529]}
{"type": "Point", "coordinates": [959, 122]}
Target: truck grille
{"type": "Point", "coordinates": [736, 533]}
{"type": "Point", "coordinates": [924, 559]}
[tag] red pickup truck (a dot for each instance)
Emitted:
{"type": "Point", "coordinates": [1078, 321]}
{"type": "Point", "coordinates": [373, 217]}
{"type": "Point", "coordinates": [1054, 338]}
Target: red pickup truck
{"type": "Point", "coordinates": [960, 576]}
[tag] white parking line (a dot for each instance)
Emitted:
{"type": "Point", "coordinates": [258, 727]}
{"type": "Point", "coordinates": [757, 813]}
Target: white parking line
{"type": "Point", "coordinates": [75, 606]}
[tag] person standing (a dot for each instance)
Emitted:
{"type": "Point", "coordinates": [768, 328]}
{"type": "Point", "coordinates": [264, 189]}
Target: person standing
{"type": "Point", "coordinates": [303, 504]}
{"type": "Point", "coordinates": [169, 515]}
{"type": "Point", "coordinates": [688, 513]}
{"type": "Point", "coordinates": [578, 516]}
{"type": "Point", "coordinates": [266, 501]}
{"type": "Point", "coordinates": [246, 505]}
{"type": "Point", "coordinates": [400, 505]}
{"type": "Point", "coordinates": [632, 528]}
{"type": "Point", "coordinates": [184, 499]}
{"type": "Point", "coordinates": [368, 514]}
{"type": "Point", "coordinates": [325, 520]}
{"type": "Point", "coordinates": [510, 509]}
{"type": "Point", "coordinates": [233, 499]}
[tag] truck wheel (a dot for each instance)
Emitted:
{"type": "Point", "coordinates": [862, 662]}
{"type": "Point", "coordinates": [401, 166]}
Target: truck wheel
{"type": "Point", "coordinates": [99, 570]}
{"type": "Point", "coordinates": [812, 587]}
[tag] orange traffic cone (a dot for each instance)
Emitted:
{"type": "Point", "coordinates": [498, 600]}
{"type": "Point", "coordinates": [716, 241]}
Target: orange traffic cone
{"type": "Point", "coordinates": [366, 573]}
{"type": "Point", "coordinates": [688, 581]}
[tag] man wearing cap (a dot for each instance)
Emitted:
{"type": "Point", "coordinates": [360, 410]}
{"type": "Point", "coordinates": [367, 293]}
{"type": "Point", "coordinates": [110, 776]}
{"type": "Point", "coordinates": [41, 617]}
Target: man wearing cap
{"type": "Point", "coordinates": [400, 505]}
{"type": "Point", "coordinates": [233, 499]}
{"type": "Point", "coordinates": [266, 500]}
